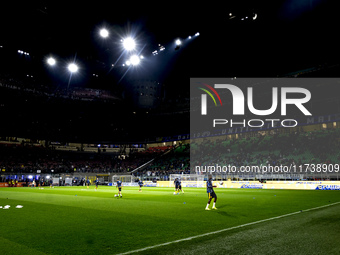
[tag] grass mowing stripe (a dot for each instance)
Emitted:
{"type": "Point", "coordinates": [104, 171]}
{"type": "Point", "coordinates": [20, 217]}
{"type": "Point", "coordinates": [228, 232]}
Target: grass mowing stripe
{"type": "Point", "coordinates": [10, 246]}
{"type": "Point", "coordinates": [227, 229]}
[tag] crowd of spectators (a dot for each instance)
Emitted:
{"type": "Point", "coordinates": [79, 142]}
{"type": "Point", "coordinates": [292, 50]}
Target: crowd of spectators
{"type": "Point", "coordinates": [33, 86]}
{"type": "Point", "coordinates": [18, 158]}
{"type": "Point", "coordinates": [177, 161]}
{"type": "Point", "coordinates": [29, 159]}
{"type": "Point", "coordinates": [322, 146]}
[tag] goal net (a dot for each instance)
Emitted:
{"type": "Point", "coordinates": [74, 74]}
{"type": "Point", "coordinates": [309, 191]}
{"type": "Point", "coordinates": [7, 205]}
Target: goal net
{"type": "Point", "coordinates": [127, 180]}
{"type": "Point", "coordinates": [188, 180]}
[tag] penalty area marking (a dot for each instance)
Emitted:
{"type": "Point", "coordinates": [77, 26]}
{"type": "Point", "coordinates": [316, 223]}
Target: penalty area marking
{"type": "Point", "coordinates": [226, 229]}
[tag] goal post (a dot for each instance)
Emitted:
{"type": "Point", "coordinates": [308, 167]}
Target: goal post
{"type": "Point", "coordinates": [127, 179]}
{"type": "Point", "coordinates": [188, 180]}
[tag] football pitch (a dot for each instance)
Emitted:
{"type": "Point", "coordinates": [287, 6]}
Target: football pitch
{"type": "Point", "coordinates": [77, 220]}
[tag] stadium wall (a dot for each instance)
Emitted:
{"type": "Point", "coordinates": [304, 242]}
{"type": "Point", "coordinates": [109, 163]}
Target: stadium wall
{"type": "Point", "coordinates": [296, 185]}
{"type": "Point", "coordinates": [5, 184]}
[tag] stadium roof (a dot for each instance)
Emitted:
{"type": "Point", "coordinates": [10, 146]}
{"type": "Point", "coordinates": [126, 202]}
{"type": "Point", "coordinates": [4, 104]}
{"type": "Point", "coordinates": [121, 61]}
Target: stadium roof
{"type": "Point", "coordinates": [237, 38]}
{"type": "Point", "coordinates": [244, 38]}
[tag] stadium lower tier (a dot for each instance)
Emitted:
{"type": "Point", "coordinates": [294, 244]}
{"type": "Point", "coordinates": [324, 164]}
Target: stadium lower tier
{"type": "Point", "coordinates": [289, 185]}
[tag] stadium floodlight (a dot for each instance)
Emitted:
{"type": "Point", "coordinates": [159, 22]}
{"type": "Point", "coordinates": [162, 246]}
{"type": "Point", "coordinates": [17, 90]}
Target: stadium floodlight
{"type": "Point", "coordinates": [134, 60]}
{"type": "Point", "coordinates": [178, 43]}
{"type": "Point", "coordinates": [51, 61]}
{"type": "Point", "coordinates": [73, 68]}
{"type": "Point", "coordinates": [104, 33]}
{"type": "Point", "coordinates": [129, 44]}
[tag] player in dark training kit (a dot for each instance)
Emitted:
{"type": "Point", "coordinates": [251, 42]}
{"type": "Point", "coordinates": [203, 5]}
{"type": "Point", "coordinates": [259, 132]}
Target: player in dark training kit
{"type": "Point", "coordinates": [140, 183]}
{"type": "Point", "coordinates": [179, 182]}
{"type": "Point", "coordinates": [176, 183]}
{"type": "Point", "coordinates": [119, 187]}
{"type": "Point", "coordinates": [97, 183]}
{"type": "Point", "coordinates": [211, 194]}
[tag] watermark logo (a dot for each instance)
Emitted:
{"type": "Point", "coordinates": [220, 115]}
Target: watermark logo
{"type": "Point", "coordinates": [204, 98]}
{"type": "Point", "coordinates": [302, 96]}
{"type": "Point", "coordinates": [239, 100]}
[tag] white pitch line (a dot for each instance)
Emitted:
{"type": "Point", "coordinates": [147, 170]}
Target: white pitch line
{"type": "Point", "coordinates": [226, 229]}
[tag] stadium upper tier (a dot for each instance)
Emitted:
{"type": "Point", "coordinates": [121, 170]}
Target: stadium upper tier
{"type": "Point", "coordinates": [321, 146]}
{"type": "Point", "coordinates": [56, 113]}
{"type": "Point", "coordinates": [17, 159]}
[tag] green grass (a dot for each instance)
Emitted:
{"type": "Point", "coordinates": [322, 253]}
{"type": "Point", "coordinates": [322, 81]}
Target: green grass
{"type": "Point", "coordinates": [74, 220]}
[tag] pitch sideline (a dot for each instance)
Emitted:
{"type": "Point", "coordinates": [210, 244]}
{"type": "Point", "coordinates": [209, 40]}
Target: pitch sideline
{"type": "Point", "coordinates": [226, 229]}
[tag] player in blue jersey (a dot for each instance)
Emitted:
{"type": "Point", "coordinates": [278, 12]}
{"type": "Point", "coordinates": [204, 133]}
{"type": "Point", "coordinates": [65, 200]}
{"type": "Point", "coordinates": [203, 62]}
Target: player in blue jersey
{"type": "Point", "coordinates": [176, 183]}
{"type": "Point", "coordinates": [97, 183]}
{"type": "Point", "coordinates": [140, 183]}
{"type": "Point", "coordinates": [119, 186]}
{"type": "Point", "coordinates": [180, 185]}
{"type": "Point", "coordinates": [211, 193]}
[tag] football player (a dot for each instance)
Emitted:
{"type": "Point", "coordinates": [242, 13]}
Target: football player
{"type": "Point", "coordinates": [140, 183]}
{"type": "Point", "coordinates": [119, 187]}
{"type": "Point", "coordinates": [180, 185]}
{"type": "Point", "coordinates": [211, 193]}
{"type": "Point", "coordinates": [97, 183]}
